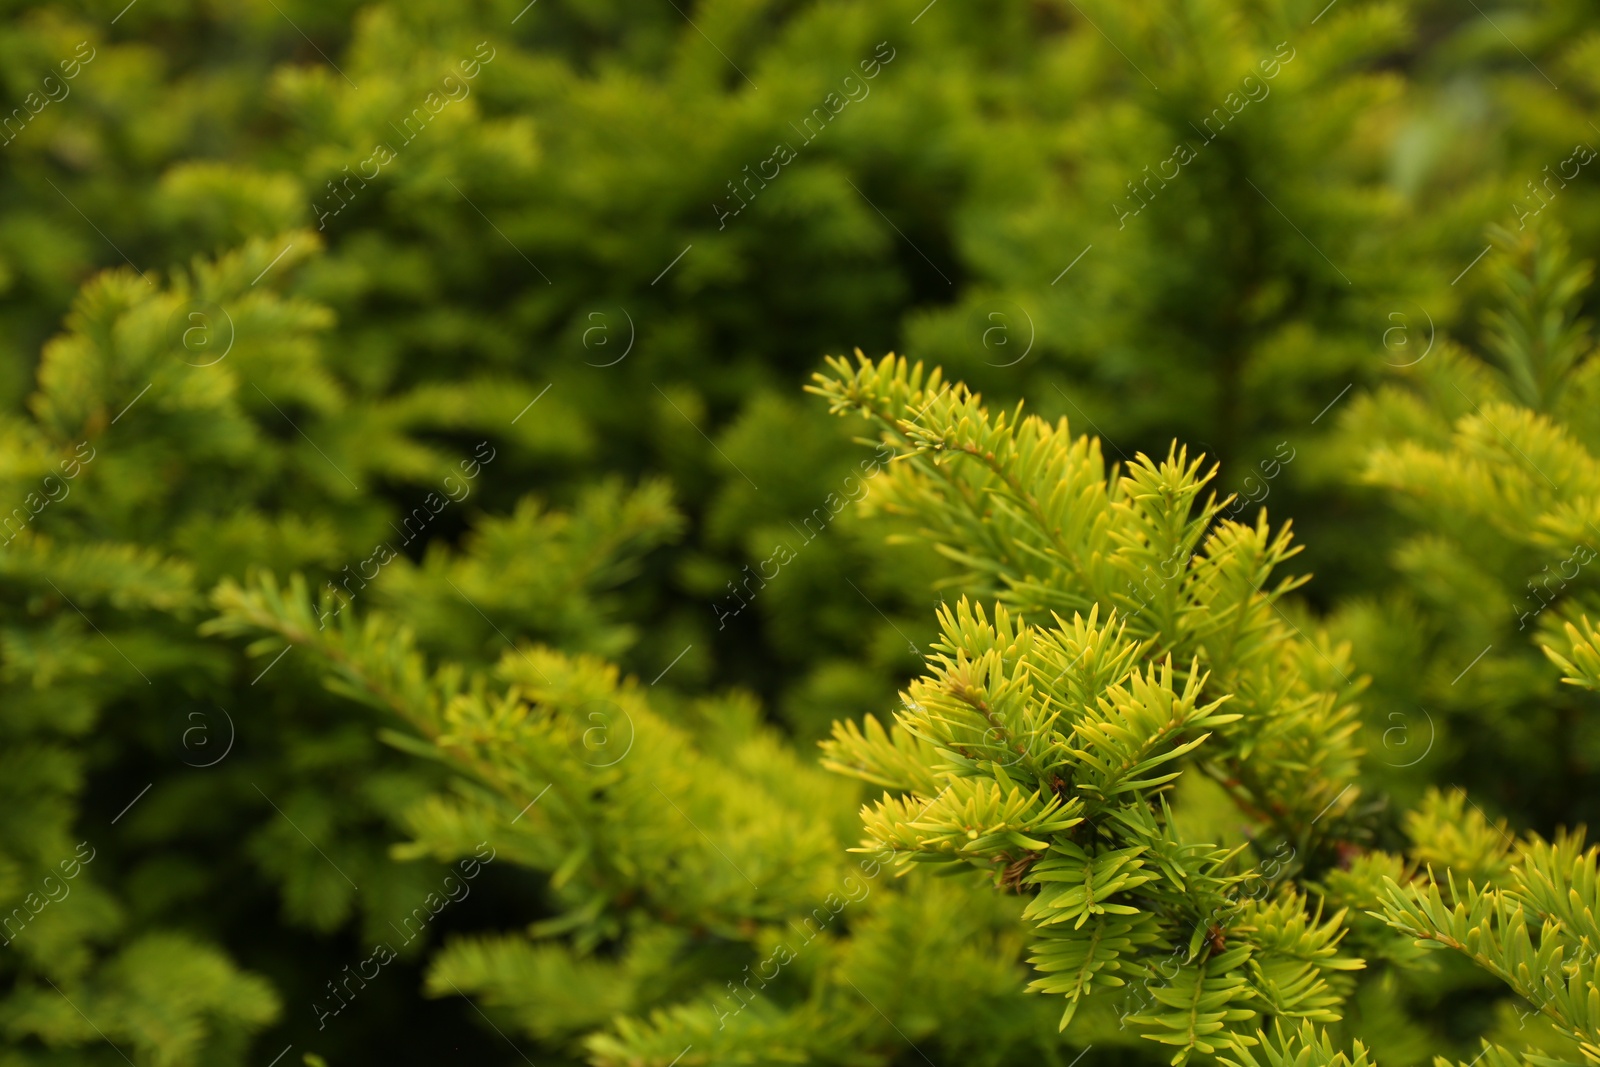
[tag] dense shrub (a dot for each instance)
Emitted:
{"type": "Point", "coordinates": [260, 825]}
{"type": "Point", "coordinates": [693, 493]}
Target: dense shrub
{"type": "Point", "coordinates": [407, 474]}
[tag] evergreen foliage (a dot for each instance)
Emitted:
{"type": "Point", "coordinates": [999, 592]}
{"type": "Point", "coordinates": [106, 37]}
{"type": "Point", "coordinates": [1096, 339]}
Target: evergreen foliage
{"type": "Point", "coordinates": [1044, 749]}
{"type": "Point", "coordinates": [1492, 460]}
{"type": "Point", "coordinates": [403, 464]}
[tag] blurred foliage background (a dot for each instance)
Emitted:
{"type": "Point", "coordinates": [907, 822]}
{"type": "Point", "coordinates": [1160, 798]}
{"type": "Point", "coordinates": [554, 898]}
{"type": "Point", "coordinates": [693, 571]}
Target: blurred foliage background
{"type": "Point", "coordinates": [526, 293]}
